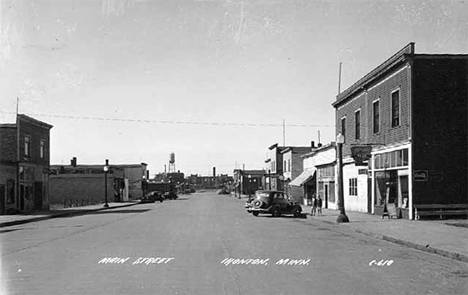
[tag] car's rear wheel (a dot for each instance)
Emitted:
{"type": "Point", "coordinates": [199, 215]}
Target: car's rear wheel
{"type": "Point", "coordinates": [255, 213]}
{"type": "Point", "coordinates": [276, 212]}
{"type": "Point", "coordinates": [297, 212]}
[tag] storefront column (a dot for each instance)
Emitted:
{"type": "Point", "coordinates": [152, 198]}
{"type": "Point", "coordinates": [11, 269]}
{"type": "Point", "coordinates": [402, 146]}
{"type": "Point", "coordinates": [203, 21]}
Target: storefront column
{"type": "Point", "coordinates": [372, 185]}
{"type": "Point", "coordinates": [410, 181]}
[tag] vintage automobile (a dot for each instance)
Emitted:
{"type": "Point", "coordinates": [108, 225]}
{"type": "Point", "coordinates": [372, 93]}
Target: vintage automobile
{"type": "Point", "coordinates": [276, 203]}
{"type": "Point", "coordinates": [152, 197]}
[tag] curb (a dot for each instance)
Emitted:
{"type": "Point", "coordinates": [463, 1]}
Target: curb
{"type": "Point", "coordinates": [423, 248]}
{"type": "Point", "coordinates": [65, 214]}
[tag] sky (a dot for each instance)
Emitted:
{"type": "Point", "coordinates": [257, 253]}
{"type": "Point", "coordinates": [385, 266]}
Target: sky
{"type": "Point", "coordinates": [214, 82]}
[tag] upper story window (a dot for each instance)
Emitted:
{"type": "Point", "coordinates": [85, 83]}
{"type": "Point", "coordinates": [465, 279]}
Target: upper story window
{"type": "Point", "coordinates": [27, 145]}
{"type": "Point", "coordinates": [343, 126]}
{"type": "Point", "coordinates": [42, 149]}
{"type": "Point", "coordinates": [284, 166]}
{"type": "Point", "coordinates": [376, 116]}
{"type": "Point", "coordinates": [357, 124]}
{"type": "Point", "coordinates": [273, 166]}
{"type": "Point", "coordinates": [289, 165]}
{"type": "Point", "coordinates": [396, 108]}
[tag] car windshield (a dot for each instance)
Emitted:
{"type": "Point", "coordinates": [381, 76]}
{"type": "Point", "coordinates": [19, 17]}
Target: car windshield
{"type": "Point", "coordinates": [260, 195]}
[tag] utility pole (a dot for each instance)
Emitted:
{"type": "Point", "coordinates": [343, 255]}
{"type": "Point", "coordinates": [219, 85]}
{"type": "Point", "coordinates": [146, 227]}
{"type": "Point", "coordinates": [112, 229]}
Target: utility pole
{"type": "Point", "coordinates": [284, 133]}
{"type": "Point", "coordinates": [339, 79]}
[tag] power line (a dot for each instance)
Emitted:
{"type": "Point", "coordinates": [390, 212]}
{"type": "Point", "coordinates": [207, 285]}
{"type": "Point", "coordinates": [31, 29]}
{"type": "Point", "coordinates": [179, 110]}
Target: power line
{"type": "Point", "coordinates": [170, 122]}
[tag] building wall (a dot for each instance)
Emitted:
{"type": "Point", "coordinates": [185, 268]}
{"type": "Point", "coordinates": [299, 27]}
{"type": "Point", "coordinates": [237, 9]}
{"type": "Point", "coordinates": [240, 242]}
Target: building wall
{"type": "Point", "coordinates": [80, 189]}
{"type": "Point", "coordinates": [357, 202]}
{"type": "Point", "coordinates": [440, 144]}
{"type": "Point", "coordinates": [381, 90]}
{"type": "Point", "coordinates": [8, 187]}
{"type": "Point", "coordinates": [8, 144]}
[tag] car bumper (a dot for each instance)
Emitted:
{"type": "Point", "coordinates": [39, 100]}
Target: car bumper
{"type": "Point", "coordinates": [259, 210]}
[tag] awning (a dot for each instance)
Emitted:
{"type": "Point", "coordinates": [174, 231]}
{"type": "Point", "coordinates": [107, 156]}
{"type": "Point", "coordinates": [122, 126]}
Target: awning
{"type": "Point", "coordinates": [305, 176]}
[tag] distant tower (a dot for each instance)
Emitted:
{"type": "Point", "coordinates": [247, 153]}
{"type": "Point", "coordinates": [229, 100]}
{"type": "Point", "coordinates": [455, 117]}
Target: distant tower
{"type": "Point", "coordinates": [172, 168]}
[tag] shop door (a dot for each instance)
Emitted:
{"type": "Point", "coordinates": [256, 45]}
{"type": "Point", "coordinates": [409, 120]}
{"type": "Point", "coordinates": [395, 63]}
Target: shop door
{"type": "Point", "coordinates": [326, 195]}
{"type": "Point", "coordinates": [2, 199]}
{"type": "Point", "coordinates": [38, 195]}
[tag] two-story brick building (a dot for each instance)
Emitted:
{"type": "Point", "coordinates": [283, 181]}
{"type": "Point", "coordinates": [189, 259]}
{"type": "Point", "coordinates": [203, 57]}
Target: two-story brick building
{"type": "Point", "coordinates": [24, 165]}
{"type": "Point", "coordinates": [412, 109]}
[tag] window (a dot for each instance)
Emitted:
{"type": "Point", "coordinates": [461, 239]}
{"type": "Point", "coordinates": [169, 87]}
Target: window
{"type": "Point", "coordinates": [284, 165]}
{"type": "Point", "coordinates": [289, 165]}
{"type": "Point", "coordinates": [376, 116]}
{"type": "Point", "coordinates": [357, 124]}
{"type": "Point", "coordinates": [353, 186]}
{"type": "Point", "coordinates": [273, 166]}
{"type": "Point", "coordinates": [27, 145]}
{"type": "Point", "coordinates": [42, 149]}
{"type": "Point", "coordinates": [343, 126]}
{"type": "Point", "coordinates": [396, 108]}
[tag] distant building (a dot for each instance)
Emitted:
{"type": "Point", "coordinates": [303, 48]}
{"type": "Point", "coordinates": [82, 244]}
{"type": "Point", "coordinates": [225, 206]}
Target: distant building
{"type": "Point", "coordinates": [85, 184]}
{"type": "Point", "coordinates": [412, 110]}
{"type": "Point", "coordinates": [248, 181]}
{"type": "Point", "coordinates": [293, 167]}
{"type": "Point", "coordinates": [24, 165]}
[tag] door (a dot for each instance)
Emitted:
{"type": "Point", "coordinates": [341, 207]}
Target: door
{"type": "Point", "coordinates": [2, 199]}
{"type": "Point", "coordinates": [38, 195]}
{"type": "Point", "coordinates": [326, 195]}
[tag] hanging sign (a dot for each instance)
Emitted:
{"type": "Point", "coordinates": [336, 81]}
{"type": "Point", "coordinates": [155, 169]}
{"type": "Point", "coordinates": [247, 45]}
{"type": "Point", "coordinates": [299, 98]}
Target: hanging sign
{"type": "Point", "coordinates": [361, 154]}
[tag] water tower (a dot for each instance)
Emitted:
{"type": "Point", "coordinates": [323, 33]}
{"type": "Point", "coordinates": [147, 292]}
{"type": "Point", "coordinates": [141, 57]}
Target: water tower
{"type": "Point", "coordinates": [172, 168]}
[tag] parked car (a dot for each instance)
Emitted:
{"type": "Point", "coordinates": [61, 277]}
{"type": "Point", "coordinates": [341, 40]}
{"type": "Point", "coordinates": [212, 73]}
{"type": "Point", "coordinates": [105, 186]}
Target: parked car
{"type": "Point", "coordinates": [170, 196]}
{"type": "Point", "coordinates": [276, 203]}
{"type": "Point", "coordinates": [152, 197]}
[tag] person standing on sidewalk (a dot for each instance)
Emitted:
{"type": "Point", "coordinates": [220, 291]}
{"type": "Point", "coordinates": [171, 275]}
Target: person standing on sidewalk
{"type": "Point", "coordinates": [314, 206]}
{"type": "Point", "coordinates": [319, 206]}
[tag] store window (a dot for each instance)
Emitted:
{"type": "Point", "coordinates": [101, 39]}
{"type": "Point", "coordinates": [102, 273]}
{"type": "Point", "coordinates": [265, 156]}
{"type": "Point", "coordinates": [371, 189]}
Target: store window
{"type": "Point", "coordinates": [10, 191]}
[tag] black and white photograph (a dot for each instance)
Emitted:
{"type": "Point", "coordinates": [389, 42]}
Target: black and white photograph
{"type": "Point", "coordinates": [236, 147]}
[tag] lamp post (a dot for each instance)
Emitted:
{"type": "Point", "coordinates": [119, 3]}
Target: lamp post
{"type": "Point", "coordinates": [106, 169]}
{"type": "Point", "coordinates": [340, 139]}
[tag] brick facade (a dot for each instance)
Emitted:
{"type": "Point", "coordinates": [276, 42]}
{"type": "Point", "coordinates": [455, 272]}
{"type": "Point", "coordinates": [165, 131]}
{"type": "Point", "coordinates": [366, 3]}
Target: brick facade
{"type": "Point", "coordinates": [422, 118]}
{"type": "Point", "coordinates": [30, 159]}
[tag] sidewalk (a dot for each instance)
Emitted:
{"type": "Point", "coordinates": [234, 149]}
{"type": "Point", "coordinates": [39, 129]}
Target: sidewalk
{"type": "Point", "coordinates": [447, 238]}
{"type": "Point", "coordinates": [10, 220]}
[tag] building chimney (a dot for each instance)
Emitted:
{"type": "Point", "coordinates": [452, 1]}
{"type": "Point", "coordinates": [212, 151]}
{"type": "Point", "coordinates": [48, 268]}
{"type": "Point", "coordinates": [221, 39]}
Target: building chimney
{"type": "Point", "coordinates": [214, 171]}
{"type": "Point", "coordinates": [319, 145]}
{"type": "Point", "coordinates": [73, 162]}
{"type": "Point", "coordinates": [312, 144]}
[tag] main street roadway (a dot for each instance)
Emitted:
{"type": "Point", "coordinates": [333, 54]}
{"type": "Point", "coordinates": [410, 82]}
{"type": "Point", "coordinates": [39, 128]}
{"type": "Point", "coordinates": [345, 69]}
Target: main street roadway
{"type": "Point", "coordinates": [205, 243]}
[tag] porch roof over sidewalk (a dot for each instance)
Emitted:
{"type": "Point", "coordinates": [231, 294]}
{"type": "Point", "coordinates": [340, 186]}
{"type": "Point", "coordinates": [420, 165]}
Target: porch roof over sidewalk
{"type": "Point", "coordinates": [305, 176]}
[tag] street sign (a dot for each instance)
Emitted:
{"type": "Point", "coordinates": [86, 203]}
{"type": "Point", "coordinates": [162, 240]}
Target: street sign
{"type": "Point", "coordinates": [420, 175]}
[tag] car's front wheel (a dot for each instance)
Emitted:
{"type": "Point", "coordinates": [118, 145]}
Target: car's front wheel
{"type": "Point", "coordinates": [255, 213]}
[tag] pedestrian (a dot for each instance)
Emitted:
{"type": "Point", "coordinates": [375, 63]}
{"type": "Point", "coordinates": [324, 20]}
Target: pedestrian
{"type": "Point", "coordinates": [319, 206]}
{"type": "Point", "coordinates": [314, 206]}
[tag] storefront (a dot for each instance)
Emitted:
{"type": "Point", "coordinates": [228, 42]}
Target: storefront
{"type": "Point", "coordinates": [390, 174]}
{"type": "Point", "coordinates": [326, 184]}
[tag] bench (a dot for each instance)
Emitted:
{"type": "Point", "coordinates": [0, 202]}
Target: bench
{"type": "Point", "coordinates": [440, 210]}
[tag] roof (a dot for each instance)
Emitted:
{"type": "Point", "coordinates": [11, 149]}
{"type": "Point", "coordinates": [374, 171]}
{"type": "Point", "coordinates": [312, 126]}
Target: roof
{"type": "Point", "coordinates": [35, 121]}
{"type": "Point", "coordinates": [94, 166]}
{"type": "Point", "coordinates": [297, 149]}
{"type": "Point", "coordinates": [305, 176]}
{"type": "Point", "coordinates": [391, 62]}
{"type": "Point", "coordinates": [320, 149]}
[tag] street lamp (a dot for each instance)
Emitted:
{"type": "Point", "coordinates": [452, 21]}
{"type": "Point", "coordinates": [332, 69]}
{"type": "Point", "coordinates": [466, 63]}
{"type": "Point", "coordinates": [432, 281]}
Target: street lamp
{"type": "Point", "coordinates": [340, 139]}
{"type": "Point", "coordinates": [106, 169]}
